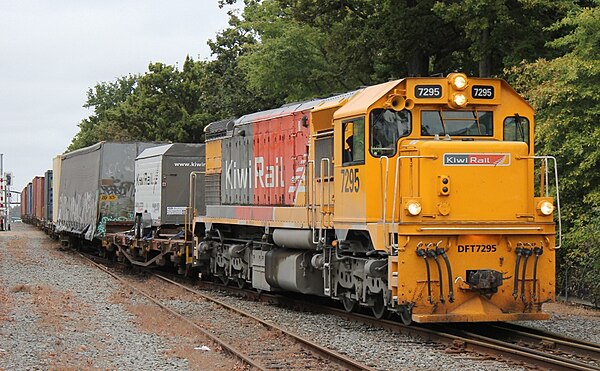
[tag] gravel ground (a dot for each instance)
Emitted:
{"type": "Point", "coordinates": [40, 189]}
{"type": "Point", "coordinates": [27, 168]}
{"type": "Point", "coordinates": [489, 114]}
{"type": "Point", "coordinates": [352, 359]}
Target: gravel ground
{"type": "Point", "coordinates": [572, 321]}
{"type": "Point", "coordinates": [59, 313]}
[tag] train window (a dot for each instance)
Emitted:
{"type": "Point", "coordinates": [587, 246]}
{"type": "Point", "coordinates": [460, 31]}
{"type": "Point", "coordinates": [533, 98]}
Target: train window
{"type": "Point", "coordinates": [461, 123]}
{"type": "Point", "coordinates": [516, 128]}
{"type": "Point", "coordinates": [353, 146]}
{"type": "Point", "coordinates": [386, 127]}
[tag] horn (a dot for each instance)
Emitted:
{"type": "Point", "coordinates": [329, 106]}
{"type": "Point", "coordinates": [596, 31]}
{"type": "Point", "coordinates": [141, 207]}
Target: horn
{"type": "Point", "coordinates": [397, 102]}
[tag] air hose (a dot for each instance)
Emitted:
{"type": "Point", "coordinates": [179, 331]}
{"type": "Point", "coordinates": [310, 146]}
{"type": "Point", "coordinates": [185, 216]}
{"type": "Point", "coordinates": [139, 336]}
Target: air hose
{"type": "Point", "coordinates": [537, 252]}
{"type": "Point", "coordinates": [526, 254]}
{"type": "Point", "coordinates": [423, 254]}
{"type": "Point", "coordinates": [442, 252]}
{"type": "Point", "coordinates": [437, 262]}
{"type": "Point", "coordinates": [518, 250]}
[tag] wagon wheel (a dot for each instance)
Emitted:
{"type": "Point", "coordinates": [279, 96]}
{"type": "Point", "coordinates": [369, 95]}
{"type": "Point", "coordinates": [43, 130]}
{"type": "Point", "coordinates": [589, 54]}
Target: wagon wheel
{"type": "Point", "coordinates": [222, 279]}
{"type": "Point", "coordinates": [350, 305]}
{"type": "Point", "coordinates": [190, 272]}
{"type": "Point", "coordinates": [379, 310]}
{"type": "Point", "coordinates": [241, 282]}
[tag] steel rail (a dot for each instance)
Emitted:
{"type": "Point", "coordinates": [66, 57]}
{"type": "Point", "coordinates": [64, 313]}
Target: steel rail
{"type": "Point", "coordinates": [545, 338]}
{"type": "Point", "coordinates": [331, 355]}
{"type": "Point", "coordinates": [541, 358]}
{"type": "Point", "coordinates": [225, 345]}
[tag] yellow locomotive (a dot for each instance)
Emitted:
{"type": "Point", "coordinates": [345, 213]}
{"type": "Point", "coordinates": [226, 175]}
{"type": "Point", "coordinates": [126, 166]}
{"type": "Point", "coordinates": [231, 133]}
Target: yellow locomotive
{"type": "Point", "coordinates": [416, 196]}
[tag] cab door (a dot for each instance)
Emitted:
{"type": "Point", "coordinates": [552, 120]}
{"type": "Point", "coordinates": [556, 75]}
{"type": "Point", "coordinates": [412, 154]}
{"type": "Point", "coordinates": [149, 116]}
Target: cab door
{"type": "Point", "coordinates": [349, 170]}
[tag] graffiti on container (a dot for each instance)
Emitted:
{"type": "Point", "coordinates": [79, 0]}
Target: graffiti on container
{"type": "Point", "coordinates": [108, 197]}
{"type": "Point", "coordinates": [78, 210]}
{"type": "Point", "coordinates": [101, 228]}
{"type": "Point", "coordinates": [116, 187]}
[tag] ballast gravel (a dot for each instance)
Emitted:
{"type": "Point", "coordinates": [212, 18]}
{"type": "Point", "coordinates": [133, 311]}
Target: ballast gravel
{"type": "Point", "coordinates": [56, 313]}
{"type": "Point", "coordinates": [573, 321]}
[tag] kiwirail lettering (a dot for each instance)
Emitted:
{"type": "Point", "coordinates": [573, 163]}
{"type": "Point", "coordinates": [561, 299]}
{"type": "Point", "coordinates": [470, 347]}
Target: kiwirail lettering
{"type": "Point", "coordinates": [257, 175]}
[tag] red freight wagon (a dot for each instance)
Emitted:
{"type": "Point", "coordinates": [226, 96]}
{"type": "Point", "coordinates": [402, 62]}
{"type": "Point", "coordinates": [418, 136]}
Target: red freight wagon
{"type": "Point", "coordinates": [38, 198]}
{"type": "Point", "coordinates": [24, 204]}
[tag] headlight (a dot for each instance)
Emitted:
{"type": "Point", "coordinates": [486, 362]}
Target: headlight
{"type": "Point", "coordinates": [546, 207]}
{"type": "Point", "coordinates": [413, 207]}
{"type": "Point", "coordinates": [459, 100]}
{"type": "Point", "coordinates": [459, 81]}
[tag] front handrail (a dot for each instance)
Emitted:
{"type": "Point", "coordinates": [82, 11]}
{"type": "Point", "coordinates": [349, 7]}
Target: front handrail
{"type": "Point", "coordinates": [396, 184]}
{"type": "Point", "coordinates": [397, 178]}
{"type": "Point", "coordinates": [546, 158]}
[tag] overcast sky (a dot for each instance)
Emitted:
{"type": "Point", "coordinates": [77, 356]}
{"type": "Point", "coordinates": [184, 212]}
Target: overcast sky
{"type": "Point", "coordinates": [52, 52]}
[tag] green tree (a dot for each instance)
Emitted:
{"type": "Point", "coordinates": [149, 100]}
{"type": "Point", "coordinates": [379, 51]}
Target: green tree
{"type": "Point", "coordinates": [502, 33]}
{"type": "Point", "coordinates": [564, 92]}
{"type": "Point", "coordinates": [226, 91]}
{"type": "Point", "coordinates": [103, 99]}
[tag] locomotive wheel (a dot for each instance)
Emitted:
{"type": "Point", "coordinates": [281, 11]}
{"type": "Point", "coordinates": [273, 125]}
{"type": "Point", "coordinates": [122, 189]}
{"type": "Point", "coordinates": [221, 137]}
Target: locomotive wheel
{"type": "Point", "coordinates": [405, 315]}
{"type": "Point", "coordinates": [350, 305]}
{"type": "Point", "coordinates": [379, 310]}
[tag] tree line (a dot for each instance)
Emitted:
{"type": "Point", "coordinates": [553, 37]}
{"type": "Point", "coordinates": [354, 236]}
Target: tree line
{"type": "Point", "coordinates": [279, 51]}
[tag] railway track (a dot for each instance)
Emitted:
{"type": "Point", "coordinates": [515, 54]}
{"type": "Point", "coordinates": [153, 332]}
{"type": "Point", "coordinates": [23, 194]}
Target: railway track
{"type": "Point", "coordinates": [542, 346]}
{"type": "Point", "coordinates": [259, 344]}
{"type": "Point", "coordinates": [504, 341]}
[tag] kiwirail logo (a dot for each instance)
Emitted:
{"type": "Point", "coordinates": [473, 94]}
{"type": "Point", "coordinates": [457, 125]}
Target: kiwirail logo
{"type": "Point", "coordinates": [476, 159]}
{"type": "Point", "coordinates": [189, 164]}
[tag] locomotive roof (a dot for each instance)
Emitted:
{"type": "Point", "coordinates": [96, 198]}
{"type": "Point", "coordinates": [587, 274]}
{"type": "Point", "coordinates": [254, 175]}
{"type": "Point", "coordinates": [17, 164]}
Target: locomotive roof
{"type": "Point", "coordinates": [289, 109]}
{"type": "Point", "coordinates": [221, 128]}
{"type": "Point", "coordinates": [218, 128]}
{"type": "Point", "coordinates": [360, 102]}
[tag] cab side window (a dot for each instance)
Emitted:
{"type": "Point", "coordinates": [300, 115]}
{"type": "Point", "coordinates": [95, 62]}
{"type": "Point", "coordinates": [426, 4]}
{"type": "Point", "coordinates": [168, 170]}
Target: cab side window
{"type": "Point", "coordinates": [386, 127]}
{"type": "Point", "coordinates": [353, 146]}
{"type": "Point", "coordinates": [516, 129]}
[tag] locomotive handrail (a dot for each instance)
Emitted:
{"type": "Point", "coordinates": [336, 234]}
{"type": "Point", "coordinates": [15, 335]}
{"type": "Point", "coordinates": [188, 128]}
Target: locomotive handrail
{"type": "Point", "coordinates": [311, 201]}
{"type": "Point", "coordinates": [480, 229]}
{"type": "Point", "coordinates": [385, 189]}
{"type": "Point", "coordinates": [327, 162]}
{"type": "Point", "coordinates": [192, 201]}
{"type": "Point", "coordinates": [397, 180]}
{"type": "Point", "coordinates": [546, 158]}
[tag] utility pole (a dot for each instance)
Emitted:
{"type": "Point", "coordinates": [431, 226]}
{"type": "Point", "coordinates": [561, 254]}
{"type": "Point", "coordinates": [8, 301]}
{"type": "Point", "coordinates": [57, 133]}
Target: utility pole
{"type": "Point", "coordinates": [3, 206]}
{"type": "Point", "coordinates": [8, 178]}
{"type": "Point", "coordinates": [5, 183]}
